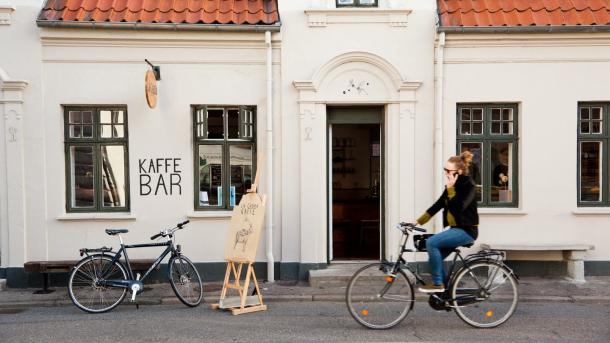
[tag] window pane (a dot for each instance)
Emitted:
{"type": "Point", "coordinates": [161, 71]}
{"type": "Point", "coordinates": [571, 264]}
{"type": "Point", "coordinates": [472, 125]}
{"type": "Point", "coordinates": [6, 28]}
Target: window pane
{"type": "Point", "coordinates": [475, 170]}
{"type": "Point", "coordinates": [75, 131]}
{"type": "Point", "coordinates": [106, 131]}
{"type": "Point", "coordinates": [105, 117]}
{"type": "Point", "coordinates": [495, 128]}
{"type": "Point", "coordinates": [465, 128]}
{"type": "Point", "coordinates": [501, 174]}
{"type": "Point", "coordinates": [117, 117]}
{"type": "Point", "coordinates": [596, 113]}
{"type": "Point", "coordinates": [233, 123]}
{"type": "Point", "coordinates": [507, 114]}
{"type": "Point", "coordinates": [75, 117]}
{"type": "Point", "coordinates": [241, 172]}
{"type": "Point", "coordinates": [345, 2]}
{"type": "Point", "coordinates": [113, 176]}
{"type": "Point", "coordinates": [590, 171]}
{"type": "Point", "coordinates": [87, 131]}
{"type": "Point", "coordinates": [596, 127]}
{"type": "Point", "coordinates": [215, 124]}
{"type": "Point", "coordinates": [465, 114]}
{"type": "Point", "coordinates": [477, 128]}
{"type": "Point", "coordinates": [367, 2]}
{"type": "Point", "coordinates": [507, 128]}
{"type": "Point", "coordinates": [584, 127]}
{"type": "Point", "coordinates": [81, 176]}
{"type": "Point", "coordinates": [210, 175]}
{"type": "Point", "coordinates": [584, 113]}
{"type": "Point", "coordinates": [477, 114]}
{"type": "Point", "coordinates": [118, 131]}
{"type": "Point", "coordinates": [495, 114]}
{"type": "Point", "coordinates": [87, 117]}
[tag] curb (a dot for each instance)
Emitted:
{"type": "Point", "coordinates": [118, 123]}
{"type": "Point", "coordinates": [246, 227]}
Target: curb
{"type": "Point", "coordinates": [213, 298]}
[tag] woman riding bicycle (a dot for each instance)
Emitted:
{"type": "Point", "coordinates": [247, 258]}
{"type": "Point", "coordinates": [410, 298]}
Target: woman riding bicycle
{"type": "Point", "coordinates": [459, 206]}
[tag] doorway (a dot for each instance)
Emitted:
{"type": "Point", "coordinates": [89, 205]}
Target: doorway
{"type": "Point", "coordinates": [355, 183]}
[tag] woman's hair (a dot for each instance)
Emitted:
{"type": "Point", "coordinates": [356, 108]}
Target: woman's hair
{"type": "Point", "coordinates": [462, 162]}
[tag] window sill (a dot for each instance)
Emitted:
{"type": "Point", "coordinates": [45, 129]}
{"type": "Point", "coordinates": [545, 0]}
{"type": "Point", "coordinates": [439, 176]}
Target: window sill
{"type": "Point", "coordinates": [585, 211]}
{"type": "Point", "coordinates": [97, 216]}
{"type": "Point", "coordinates": [322, 17]}
{"type": "Point", "coordinates": [502, 211]}
{"type": "Point", "coordinates": [210, 214]}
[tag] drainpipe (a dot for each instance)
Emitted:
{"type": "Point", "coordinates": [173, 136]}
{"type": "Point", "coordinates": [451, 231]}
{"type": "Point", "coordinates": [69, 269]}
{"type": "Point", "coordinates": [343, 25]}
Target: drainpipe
{"type": "Point", "coordinates": [269, 167]}
{"type": "Point", "coordinates": [438, 126]}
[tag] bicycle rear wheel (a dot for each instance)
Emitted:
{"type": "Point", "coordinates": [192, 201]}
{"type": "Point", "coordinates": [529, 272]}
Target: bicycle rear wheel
{"type": "Point", "coordinates": [86, 292]}
{"type": "Point", "coordinates": [484, 294]}
{"type": "Point", "coordinates": [185, 281]}
{"type": "Point", "coordinates": [377, 299]}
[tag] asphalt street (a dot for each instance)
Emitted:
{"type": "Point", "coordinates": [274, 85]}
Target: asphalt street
{"type": "Point", "coordinates": [297, 322]}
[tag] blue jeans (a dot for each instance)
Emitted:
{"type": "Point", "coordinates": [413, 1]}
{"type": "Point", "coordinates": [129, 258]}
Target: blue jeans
{"type": "Point", "coordinates": [440, 246]}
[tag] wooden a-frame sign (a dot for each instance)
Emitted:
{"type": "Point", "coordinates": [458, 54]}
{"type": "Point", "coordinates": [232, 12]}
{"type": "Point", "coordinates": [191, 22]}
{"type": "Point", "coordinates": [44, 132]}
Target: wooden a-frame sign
{"type": "Point", "coordinates": [240, 251]}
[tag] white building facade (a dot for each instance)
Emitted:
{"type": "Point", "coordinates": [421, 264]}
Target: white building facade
{"type": "Point", "coordinates": [348, 113]}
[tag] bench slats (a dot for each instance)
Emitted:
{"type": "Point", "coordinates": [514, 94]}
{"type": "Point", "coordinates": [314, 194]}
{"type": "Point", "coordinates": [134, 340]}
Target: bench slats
{"type": "Point", "coordinates": [66, 266]}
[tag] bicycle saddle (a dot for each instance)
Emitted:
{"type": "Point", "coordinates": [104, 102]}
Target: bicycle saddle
{"type": "Point", "coordinates": [467, 245]}
{"type": "Point", "coordinates": [113, 232]}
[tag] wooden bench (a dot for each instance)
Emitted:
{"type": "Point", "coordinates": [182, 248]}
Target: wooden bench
{"type": "Point", "coordinates": [574, 254]}
{"type": "Point", "coordinates": [47, 267]}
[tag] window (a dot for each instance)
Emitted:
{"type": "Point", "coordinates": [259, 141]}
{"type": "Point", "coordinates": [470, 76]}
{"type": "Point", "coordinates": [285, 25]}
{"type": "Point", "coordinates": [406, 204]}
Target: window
{"type": "Point", "coordinates": [356, 3]}
{"type": "Point", "coordinates": [225, 154]}
{"type": "Point", "coordinates": [97, 170]}
{"type": "Point", "coordinates": [490, 133]}
{"type": "Point", "coordinates": [593, 145]}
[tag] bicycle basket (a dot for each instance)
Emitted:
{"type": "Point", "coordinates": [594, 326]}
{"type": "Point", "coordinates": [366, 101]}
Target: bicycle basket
{"type": "Point", "coordinates": [419, 241]}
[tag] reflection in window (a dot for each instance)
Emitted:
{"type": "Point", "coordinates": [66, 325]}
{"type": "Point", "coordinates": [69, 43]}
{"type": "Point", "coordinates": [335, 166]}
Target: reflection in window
{"type": "Point", "coordinates": [476, 170]}
{"type": "Point", "coordinates": [210, 175]}
{"type": "Point", "coordinates": [590, 171]}
{"type": "Point", "coordinates": [501, 177]}
{"type": "Point", "coordinates": [241, 172]}
{"type": "Point", "coordinates": [113, 175]}
{"type": "Point", "coordinates": [81, 175]}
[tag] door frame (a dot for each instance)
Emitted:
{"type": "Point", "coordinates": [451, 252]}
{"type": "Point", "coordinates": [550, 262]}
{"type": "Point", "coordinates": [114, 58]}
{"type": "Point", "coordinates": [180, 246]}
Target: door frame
{"type": "Point", "coordinates": [355, 115]}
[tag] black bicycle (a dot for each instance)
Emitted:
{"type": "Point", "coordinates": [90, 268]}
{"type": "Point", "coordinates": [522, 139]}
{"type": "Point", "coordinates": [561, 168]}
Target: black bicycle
{"type": "Point", "coordinates": [99, 282]}
{"type": "Point", "coordinates": [482, 291]}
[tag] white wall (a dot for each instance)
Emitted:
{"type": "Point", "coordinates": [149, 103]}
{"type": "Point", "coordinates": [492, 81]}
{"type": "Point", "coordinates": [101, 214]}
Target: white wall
{"type": "Point", "coordinates": [547, 75]}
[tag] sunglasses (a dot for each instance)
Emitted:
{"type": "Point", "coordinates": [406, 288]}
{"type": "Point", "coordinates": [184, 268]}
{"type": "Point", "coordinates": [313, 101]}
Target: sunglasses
{"type": "Point", "coordinates": [450, 170]}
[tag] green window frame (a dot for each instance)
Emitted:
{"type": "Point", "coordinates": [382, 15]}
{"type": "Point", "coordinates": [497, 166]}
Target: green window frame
{"type": "Point", "coordinates": [96, 159]}
{"type": "Point", "coordinates": [593, 141]}
{"type": "Point", "coordinates": [224, 141]}
{"type": "Point", "coordinates": [491, 132]}
{"type": "Point", "coordinates": [356, 3]}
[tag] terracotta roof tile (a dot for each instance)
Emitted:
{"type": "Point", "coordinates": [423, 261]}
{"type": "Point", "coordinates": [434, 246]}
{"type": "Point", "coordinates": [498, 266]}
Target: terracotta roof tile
{"type": "Point", "coordinates": [491, 13]}
{"type": "Point", "coordinates": [242, 12]}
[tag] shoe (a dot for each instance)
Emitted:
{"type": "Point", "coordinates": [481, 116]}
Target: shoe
{"type": "Point", "coordinates": [432, 288]}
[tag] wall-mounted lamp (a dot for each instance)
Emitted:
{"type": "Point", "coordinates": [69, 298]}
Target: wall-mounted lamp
{"type": "Point", "coordinates": [156, 70]}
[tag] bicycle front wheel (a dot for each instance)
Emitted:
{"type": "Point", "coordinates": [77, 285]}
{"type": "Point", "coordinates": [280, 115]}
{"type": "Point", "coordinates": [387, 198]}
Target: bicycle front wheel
{"type": "Point", "coordinates": [185, 281]}
{"type": "Point", "coordinates": [84, 284]}
{"type": "Point", "coordinates": [484, 294]}
{"type": "Point", "coordinates": [377, 299]}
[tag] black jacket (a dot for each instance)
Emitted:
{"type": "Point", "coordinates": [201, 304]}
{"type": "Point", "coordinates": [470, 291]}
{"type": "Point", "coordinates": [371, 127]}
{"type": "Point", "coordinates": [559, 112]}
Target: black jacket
{"type": "Point", "coordinates": [463, 206]}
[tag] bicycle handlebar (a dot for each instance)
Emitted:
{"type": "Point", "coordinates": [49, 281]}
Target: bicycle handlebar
{"type": "Point", "coordinates": [410, 226]}
{"type": "Point", "coordinates": [169, 232]}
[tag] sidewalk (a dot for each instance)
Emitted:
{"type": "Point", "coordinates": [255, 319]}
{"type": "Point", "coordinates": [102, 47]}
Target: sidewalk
{"type": "Point", "coordinates": [595, 291]}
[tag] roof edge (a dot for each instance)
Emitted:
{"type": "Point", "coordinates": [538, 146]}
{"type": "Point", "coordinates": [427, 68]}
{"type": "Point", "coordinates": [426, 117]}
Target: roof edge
{"type": "Point", "coordinates": [159, 26]}
{"type": "Point", "coordinates": [524, 29]}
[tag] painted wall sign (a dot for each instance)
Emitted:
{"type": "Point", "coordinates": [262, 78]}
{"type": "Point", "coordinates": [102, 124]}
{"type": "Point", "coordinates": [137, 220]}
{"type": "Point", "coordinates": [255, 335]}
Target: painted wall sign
{"type": "Point", "coordinates": [150, 86]}
{"type": "Point", "coordinates": [160, 176]}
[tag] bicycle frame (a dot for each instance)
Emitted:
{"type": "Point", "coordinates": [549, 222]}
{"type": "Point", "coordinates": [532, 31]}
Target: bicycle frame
{"type": "Point", "coordinates": [401, 263]}
{"type": "Point", "coordinates": [127, 283]}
